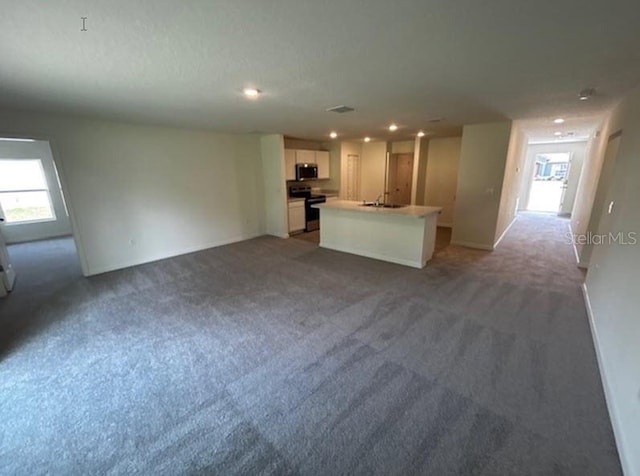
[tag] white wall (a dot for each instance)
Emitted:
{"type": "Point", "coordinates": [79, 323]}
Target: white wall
{"type": "Point", "coordinates": [442, 176]}
{"type": "Point", "coordinates": [573, 179]}
{"type": "Point", "coordinates": [275, 191]}
{"type": "Point", "coordinates": [141, 193]}
{"type": "Point", "coordinates": [422, 155]}
{"type": "Point", "coordinates": [335, 167]}
{"type": "Point", "coordinates": [612, 287]}
{"type": "Point", "coordinates": [512, 189]}
{"type": "Point", "coordinates": [417, 191]}
{"type": "Point", "coordinates": [60, 226]}
{"type": "Point", "coordinates": [483, 157]}
{"type": "Point", "coordinates": [587, 186]}
{"type": "Point", "coordinates": [607, 168]}
{"type": "Point", "coordinates": [403, 147]}
{"type": "Point", "coordinates": [372, 169]}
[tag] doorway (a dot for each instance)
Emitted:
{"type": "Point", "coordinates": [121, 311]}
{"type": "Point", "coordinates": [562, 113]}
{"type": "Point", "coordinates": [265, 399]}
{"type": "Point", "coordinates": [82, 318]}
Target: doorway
{"type": "Point", "coordinates": [353, 177]}
{"type": "Point", "coordinates": [549, 182]}
{"type": "Point", "coordinates": [31, 199]}
{"type": "Point", "coordinates": [34, 220]}
{"type": "Point", "coordinates": [399, 178]}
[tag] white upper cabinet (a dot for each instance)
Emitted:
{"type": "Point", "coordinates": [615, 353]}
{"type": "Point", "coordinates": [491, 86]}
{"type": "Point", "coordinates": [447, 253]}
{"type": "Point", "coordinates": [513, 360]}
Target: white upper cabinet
{"type": "Point", "coordinates": [290, 164]}
{"type": "Point", "coordinates": [305, 156]}
{"type": "Point", "coordinates": [322, 159]}
{"type": "Point", "coordinates": [300, 156]}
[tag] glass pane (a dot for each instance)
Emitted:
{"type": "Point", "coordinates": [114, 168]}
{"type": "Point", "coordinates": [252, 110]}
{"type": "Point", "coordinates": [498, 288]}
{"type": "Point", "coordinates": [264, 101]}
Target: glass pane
{"type": "Point", "coordinates": [26, 206]}
{"type": "Point", "coordinates": [22, 175]}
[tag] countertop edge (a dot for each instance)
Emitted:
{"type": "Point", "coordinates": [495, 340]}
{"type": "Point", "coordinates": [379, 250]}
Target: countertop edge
{"type": "Point", "coordinates": [412, 211]}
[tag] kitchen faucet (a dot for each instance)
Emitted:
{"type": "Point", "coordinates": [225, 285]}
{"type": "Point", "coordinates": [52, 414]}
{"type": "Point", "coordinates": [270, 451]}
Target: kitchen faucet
{"type": "Point", "coordinates": [377, 202]}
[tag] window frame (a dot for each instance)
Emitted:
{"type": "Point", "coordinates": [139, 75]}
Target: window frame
{"type": "Point", "coordinates": [46, 190]}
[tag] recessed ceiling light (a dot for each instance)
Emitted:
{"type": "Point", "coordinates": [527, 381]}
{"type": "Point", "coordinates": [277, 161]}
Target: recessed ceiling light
{"type": "Point", "coordinates": [16, 139]}
{"type": "Point", "coordinates": [251, 93]}
{"type": "Point", "coordinates": [586, 94]}
{"type": "Point", "coordinates": [393, 127]}
{"type": "Point", "coordinates": [557, 133]}
{"type": "Point", "coordinates": [333, 134]}
{"type": "Point", "coordinates": [421, 134]}
{"type": "Point", "coordinates": [558, 120]}
{"type": "Point", "coordinates": [367, 139]}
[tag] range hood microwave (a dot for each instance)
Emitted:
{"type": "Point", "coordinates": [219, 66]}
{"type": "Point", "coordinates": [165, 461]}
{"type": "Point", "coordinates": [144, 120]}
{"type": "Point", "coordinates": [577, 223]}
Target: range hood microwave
{"type": "Point", "coordinates": [306, 172]}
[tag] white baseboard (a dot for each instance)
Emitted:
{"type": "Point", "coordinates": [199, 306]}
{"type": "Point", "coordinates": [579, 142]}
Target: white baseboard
{"type": "Point", "coordinates": [615, 421]}
{"type": "Point", "coordinates": [469, 244]}
{"type": "Point", "coordinates": [575, 248]}
{"type": "Point", "coordinates": [575, 251]}
{"type": "Point", "coordinates": [505, 232]}
{"type": "Point", "coordinates": [581, 264]}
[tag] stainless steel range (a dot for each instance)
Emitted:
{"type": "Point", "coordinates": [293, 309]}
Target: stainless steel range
{"type": "Point", "coordinates": [312, 215]}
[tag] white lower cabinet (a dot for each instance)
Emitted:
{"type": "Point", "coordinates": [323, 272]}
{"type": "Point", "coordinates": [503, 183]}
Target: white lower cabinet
{"type": "Point", "coordinates": [296, 216]}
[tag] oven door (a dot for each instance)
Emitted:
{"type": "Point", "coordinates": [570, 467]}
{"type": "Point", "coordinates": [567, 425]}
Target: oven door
{"type": "Point", "coordinates": [306, 172]}
{"type": "Point", "coordinates": [313, 214]}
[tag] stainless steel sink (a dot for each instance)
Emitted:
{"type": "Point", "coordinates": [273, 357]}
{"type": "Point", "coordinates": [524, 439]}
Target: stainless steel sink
{"type": "Point", "coordinates": [381, 205]}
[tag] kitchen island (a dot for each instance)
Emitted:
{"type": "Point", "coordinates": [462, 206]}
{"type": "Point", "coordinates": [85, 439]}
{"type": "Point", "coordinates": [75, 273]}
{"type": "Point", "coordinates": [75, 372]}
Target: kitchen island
{"type": "Point", "coordinates": [404, 235]}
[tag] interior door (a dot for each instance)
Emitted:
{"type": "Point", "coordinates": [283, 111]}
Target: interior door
{"type": "Point", "coordinates": [565, 185]}
{"type": "Point", "coordinates": [400, 178]}
{"type": "Point", "coordinates": [353, 177]}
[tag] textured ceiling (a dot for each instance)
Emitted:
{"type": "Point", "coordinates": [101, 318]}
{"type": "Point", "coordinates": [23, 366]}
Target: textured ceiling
{"type": "Point", "coordinates": [407, 61]}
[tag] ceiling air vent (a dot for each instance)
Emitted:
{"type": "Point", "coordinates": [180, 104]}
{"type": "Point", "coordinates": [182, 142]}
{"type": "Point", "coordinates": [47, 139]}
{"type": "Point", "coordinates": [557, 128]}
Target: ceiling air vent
{"type": "Point", "coordinates": [340, 109]}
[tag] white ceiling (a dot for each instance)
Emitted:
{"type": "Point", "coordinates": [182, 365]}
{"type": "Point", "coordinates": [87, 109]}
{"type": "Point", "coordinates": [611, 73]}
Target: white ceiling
{"type": "Point", "coordinates": [408, 61]}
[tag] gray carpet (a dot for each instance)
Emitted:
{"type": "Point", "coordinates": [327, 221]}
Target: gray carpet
{"type": "Point", "coordinates": [275, 357]}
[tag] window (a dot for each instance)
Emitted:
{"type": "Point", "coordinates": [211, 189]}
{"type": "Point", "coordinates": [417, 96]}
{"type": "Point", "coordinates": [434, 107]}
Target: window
{"type": "Point", "coordinates": [560, 170]}
{"type": "Point", "coordinates": [24, 193]}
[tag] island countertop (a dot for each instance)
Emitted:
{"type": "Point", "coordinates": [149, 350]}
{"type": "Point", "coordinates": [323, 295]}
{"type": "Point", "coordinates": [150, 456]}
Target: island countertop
{"type": "Point", "coordinates": [416, 211]}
